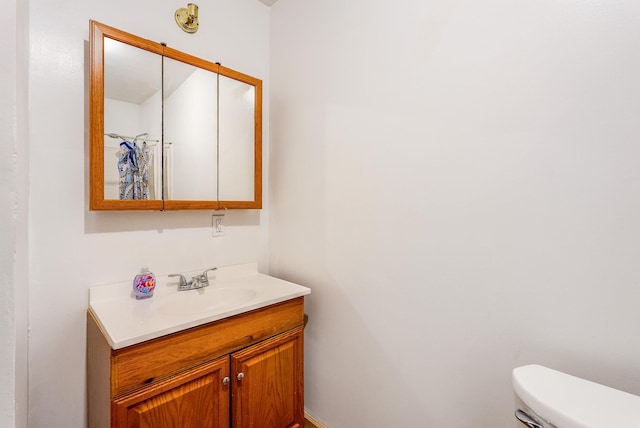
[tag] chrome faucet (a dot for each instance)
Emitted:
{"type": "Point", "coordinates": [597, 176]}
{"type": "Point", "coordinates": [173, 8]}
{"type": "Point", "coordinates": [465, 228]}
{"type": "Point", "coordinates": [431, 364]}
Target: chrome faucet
{"type": "Point", "coordinates": [198, 281]}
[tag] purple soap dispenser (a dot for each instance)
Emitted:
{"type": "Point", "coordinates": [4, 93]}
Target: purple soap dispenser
{"type": "Point", "coordinates": [144, 283]}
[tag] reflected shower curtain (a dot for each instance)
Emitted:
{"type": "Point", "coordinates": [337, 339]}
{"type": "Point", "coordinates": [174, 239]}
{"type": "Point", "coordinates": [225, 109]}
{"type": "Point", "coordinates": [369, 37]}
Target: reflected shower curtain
{"type": "Point", "coordinates": [133, 166]}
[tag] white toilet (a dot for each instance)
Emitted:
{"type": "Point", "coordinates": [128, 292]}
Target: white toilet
{"type": "Point", "coordinates": [546, 398]}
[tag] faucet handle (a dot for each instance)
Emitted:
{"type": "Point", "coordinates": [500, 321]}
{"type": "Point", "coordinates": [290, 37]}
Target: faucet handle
{"type": "Point", "coordinates": [204, 274]}
{"type": "Point", "coordinates": [203, 278]}
{"type": "Point", "coordinates": [183, 280]}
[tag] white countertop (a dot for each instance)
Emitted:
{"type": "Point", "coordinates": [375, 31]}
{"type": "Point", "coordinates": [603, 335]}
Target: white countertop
{"type": "Point", "coordinates": [126, 321]}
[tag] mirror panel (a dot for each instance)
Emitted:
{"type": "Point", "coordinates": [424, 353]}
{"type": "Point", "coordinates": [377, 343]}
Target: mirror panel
{"type": "Point", "coordinates": [237, 140]}
{"type": "Point", "coordinates": [103, 180]}
{"type": "Point", "coordinates": [190, 132]}
{"type": "Point", "coordinates": [132, 125]}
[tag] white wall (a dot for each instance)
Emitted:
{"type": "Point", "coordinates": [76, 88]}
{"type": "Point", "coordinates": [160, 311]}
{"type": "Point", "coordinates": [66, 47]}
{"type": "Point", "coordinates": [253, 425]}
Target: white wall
{"type": "Point", "coordinates": [457, 181]}
{"type": "Point", "coordinates": [71, 248]}
{"type": "Point", "coordinates": [8, 121]}
{"type": "Point", "coordinates": [13, 222]}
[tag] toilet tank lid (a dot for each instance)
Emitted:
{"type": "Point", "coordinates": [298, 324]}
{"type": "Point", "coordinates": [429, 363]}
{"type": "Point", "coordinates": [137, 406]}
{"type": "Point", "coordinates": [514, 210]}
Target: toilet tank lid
{"type": "Point", "coordinates": [571, 402]}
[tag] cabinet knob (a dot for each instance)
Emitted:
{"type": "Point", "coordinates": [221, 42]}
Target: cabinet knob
{"type": "Point", "coordinates": [226, 380]}
{"type": "Point", "coordinates": [240, 376]}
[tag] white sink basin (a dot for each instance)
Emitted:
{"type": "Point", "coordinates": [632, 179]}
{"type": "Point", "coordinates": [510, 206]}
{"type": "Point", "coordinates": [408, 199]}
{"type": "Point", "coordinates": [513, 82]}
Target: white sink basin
{"type": "Point", "coordinates": [204, 300]}
{"type": "Point", "coordinates": [233, 290]}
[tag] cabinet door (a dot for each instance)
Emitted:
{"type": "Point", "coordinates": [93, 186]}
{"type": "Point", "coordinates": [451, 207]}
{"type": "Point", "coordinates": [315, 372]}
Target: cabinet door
{"type": "Point", "coordinates": [198, 398]}
{"type": "Point", "coordinates": [268, 383]}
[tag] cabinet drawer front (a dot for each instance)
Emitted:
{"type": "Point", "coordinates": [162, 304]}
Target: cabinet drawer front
{"type": "Point", "coordinates": [139, 365]}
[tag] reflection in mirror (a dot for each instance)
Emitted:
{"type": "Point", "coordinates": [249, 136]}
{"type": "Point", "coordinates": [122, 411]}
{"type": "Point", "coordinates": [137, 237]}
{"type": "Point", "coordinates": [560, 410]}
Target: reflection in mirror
{"type": "Point", "coordinates": [132, 125]}
{"type": "Point", "coordinates": [190, 132]}
{"type": "Point", "coordinates": [237, 140]}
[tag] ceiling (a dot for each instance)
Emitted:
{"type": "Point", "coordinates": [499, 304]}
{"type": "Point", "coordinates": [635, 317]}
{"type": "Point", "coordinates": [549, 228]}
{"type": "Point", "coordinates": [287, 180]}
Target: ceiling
{"type": "Point", "coordinates": [268, 2]}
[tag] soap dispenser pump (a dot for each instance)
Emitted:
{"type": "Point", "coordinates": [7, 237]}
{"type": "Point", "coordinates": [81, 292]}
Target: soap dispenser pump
{"type": "Point", "coordinates": [144, 283]}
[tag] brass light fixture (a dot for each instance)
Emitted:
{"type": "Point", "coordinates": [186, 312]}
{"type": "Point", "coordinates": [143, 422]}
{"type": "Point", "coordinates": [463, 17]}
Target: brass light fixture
{"type": "Point", "coordinates": [187, 18]}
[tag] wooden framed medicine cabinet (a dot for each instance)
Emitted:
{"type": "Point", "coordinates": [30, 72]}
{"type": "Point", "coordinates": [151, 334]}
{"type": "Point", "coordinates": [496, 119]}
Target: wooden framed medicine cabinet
{"type": "Point", "coordinates": [170, 131]}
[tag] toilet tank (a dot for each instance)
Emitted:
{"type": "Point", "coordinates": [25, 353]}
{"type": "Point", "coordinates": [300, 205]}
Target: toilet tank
{"type": "Point", "coordinates": [552, 399]}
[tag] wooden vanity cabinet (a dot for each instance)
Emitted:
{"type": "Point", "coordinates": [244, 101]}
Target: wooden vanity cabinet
{"type": "Point", "coordinates": [243, 371]}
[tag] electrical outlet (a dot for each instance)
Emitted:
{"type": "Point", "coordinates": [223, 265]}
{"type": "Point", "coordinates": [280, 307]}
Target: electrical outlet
{"type": "Point", "coordinates": [217, 224]}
